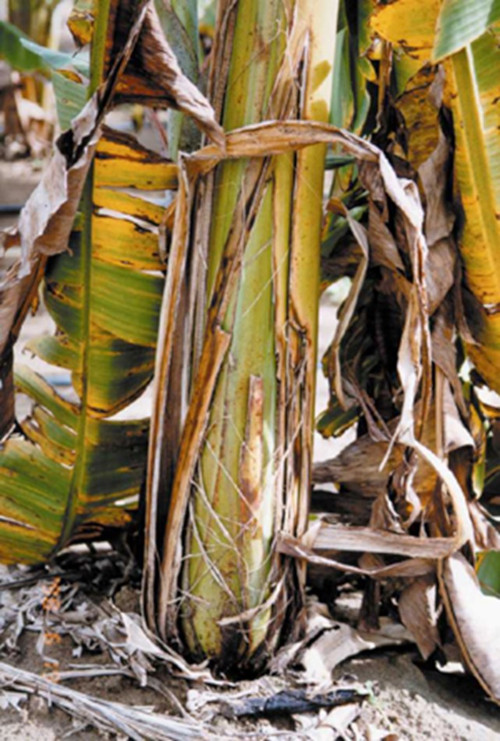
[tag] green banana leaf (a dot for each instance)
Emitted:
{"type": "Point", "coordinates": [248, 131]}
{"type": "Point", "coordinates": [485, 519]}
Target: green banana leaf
{"type": "Point", "coordinates": [488, 572]}
{"type": "Point", "coordinates": [15, 53]}
{"type": "Point", "coordinates": [26, 56]}
{"type": "Point", "coordinates": [70, 98]}
{"type": "Point", "coordinates": [350, 99]}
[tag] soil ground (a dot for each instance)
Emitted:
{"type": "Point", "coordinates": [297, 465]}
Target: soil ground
{"type": "Point", "coordinates": [408, 701]}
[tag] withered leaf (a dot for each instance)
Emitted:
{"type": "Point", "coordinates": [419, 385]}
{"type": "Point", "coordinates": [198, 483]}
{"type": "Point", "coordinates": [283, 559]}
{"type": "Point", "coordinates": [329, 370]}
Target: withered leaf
{"type": "Point", "coordinates": [417, 608]}
{"type": "Point", "coordinates": [154, 76]}
{"type": "Point", "coordinates": [475, 618]}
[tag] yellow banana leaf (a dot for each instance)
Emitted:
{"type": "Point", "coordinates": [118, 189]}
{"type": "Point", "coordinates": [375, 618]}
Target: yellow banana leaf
{"type": "Point", "coordinates": [72, 468]}
{"type": "Point", "coordinates": [476, 72]}
{"type": "Point", "coordinates": [73, 465]}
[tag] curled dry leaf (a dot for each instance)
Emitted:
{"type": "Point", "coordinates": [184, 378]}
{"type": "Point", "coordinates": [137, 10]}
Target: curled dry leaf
{"type": "Point", "coordinates": [359, 466]}
{"type": "Point", "coordinates": [475, 618]}
{"type": "Point", "coordinates": [328, 642]}
{"type": "Point", "coordinates": [154, 76]}
{"type": "Point", "coordinates": [410, 567]}
{"type": "Point", "coordinates": [337, 642]}
{"type": "Point", "coordinates": [417, 609]}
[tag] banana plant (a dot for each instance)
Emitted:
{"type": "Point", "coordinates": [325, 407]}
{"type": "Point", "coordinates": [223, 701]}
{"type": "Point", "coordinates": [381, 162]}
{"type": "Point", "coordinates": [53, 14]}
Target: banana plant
{"type": "Point", "coordinates": [232, 434]}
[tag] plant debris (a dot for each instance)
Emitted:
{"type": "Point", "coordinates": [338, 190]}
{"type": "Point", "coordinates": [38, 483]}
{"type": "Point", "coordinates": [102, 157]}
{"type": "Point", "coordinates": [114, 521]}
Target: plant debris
{"type": "Point", "coordinates": [289, 702]}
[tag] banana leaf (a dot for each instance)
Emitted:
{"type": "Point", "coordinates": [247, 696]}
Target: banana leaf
{"type": "Point", "coordinates": [15, 53]}
{"type": "Point", "coordinates": [71, 465]}
{"type": "Point", "coordinates": [70, 469]}
{"type": "Point", "coordinates": [104, 297]}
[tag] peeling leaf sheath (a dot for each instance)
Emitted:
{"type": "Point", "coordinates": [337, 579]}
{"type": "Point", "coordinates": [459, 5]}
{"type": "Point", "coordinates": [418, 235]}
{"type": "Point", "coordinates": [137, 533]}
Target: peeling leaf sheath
{"type": "Point", "coordinates": [166, 333]}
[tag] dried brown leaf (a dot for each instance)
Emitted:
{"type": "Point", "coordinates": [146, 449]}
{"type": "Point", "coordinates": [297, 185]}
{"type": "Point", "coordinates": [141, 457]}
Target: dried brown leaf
{"type": "Point", "coordinates": [384, 250]}
{"type": "Point", "coordinates": [463, 525]}
{"type": "Point", "coordinates": [475, 618]}
{"type": "Point", "coordinates": [330, 538]}
{"type": "Point", "coordinates": [358, 467]}
{"type": "Point", "coordinates": [444, 354]}
{"type": "Point", "coordinates": [417, 609]}
{"type": "Point", "coordinates": [336, 643]}
{"type": "Point", "coordinates": [327, 642]}
{"type": "Point", "coordinates": [409, 568]}
{"type": "Point", "coordinates": [349, 305]}
{"type": "Point", "coordinates": [434, 174]}
{"type": "Point", "coordinates": [439, 272]}
{"type": "Point", "coordinates": [154, 76]}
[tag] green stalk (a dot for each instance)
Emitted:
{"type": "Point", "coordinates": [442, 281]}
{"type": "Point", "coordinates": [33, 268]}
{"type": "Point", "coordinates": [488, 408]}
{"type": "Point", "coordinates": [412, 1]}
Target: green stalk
{"type": "Point", "coordinates": [99, 38]}
{"type": "Point", "coordinates": [239, 598]}
{"type": "Point", "coordinates": [221, 514]}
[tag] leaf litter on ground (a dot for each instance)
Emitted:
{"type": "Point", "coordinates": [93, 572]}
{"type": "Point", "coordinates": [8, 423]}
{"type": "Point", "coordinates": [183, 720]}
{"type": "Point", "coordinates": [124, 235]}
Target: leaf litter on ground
{"type": "Point", "coordinates": [46, 610]}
